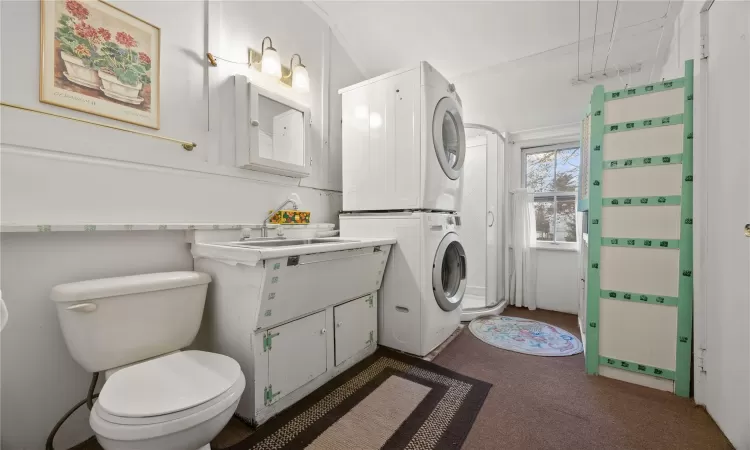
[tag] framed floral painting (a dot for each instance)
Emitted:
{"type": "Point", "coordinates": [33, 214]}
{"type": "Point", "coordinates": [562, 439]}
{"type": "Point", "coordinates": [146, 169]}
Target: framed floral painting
{"type": "Point", "coordinates": [101, 60]}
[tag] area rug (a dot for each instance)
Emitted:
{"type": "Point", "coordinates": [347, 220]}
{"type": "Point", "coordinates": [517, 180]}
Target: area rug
{"type": "Point", "coordinates": [525, 336]}
{"type": "Point", "coordinates": [388, 401]}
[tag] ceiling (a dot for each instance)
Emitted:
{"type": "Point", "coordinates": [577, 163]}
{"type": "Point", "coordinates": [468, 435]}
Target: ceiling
{"type": "Point", "coordinates": [461, 37]}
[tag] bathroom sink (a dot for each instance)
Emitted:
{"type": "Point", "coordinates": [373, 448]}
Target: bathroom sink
{"type": "Point", "coordinates": [286, 242]}
{"type": "Point", "coordinates": [252, 251]}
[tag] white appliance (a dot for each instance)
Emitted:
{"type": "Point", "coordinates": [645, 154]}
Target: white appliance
{"type": "Point", "coordinates": [155, 397]}
{"type": "Point", "coordinates": [403, 142]}
{"type": "Point", "coordinates": [425, 280]}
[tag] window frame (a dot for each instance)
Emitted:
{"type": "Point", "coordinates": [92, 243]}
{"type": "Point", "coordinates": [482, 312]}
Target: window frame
{"type": "Point", "coordinates": [525, 151]}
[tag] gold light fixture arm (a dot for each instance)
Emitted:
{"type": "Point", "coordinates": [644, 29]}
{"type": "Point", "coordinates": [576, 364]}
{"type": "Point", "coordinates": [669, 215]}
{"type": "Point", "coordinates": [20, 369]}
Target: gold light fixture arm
{"type": "Point", "coordinates": [291, 65]}
{"type": "Point", "coordinates": [263, 45]}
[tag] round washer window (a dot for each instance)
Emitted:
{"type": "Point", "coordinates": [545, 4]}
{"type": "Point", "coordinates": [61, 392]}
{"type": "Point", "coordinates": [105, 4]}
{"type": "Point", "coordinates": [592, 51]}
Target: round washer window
{"type": "Point", "coordinates": [451, 274]}
{"type": "Point", "coordinates": [451, 139]}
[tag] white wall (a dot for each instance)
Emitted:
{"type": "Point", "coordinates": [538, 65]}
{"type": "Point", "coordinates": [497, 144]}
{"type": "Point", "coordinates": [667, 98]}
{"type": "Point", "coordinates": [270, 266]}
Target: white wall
{"type": "Point", "coordinates": [197, 105]}
{"type": "Point", "coordinates": [557, 280]}
{"type": "Point", "coordinates": [55, 171]}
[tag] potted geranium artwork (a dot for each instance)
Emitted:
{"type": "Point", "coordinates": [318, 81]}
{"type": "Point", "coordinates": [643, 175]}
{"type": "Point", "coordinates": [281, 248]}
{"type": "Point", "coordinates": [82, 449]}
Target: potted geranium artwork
{"type": "Point", "coordinates": [78, 45]}
{"type": "Point", "coordinates": [101, 60]}
{"type": "Point", "coordinates": [123, 71]}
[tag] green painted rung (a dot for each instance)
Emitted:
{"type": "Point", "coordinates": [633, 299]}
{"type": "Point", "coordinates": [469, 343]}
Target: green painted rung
{"type": "Point", "coordinates": [645, 123]}
{"type": "Point", "coordinates": [639, 298]}
{"type": "Point", "coordinates": [638, 368]}
{"type": "Point", "coordinates": [647, 89]}
{"type": "Point", "coordinates": [644, 243]}
{"type": "Point", "coordinates": [663, 200]}
{"type": "Point", "coordinates": [643, 162]}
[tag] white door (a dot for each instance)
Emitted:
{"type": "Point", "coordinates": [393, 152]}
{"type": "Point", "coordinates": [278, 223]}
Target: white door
{"type": "Point", "coordinates": [356, 327]}
{"type": "Point", "coordinates": [727, 263]}
{"type": "Point", "coordinates": [296, 354]}
{"type": "Point", "coordinates": [449, 137]}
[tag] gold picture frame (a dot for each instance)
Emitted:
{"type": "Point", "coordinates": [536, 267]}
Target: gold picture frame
{"type": "Point", "coordinates": [97, 58]}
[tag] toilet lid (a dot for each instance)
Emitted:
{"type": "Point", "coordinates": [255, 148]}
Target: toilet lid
{"type": "Point", "coordinates": [168, 384]}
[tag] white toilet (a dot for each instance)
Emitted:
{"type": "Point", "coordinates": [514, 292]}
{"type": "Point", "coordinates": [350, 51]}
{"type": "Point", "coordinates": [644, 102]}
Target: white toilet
{"type": "Point", "coordinates": [155, 397]}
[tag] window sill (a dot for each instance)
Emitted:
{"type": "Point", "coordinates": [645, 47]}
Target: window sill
{"type": "Point", "coordinates": [566, 247]}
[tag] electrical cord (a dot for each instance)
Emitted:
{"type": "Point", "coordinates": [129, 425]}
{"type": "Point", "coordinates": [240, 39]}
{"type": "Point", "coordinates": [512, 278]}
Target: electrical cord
{"type": "Point", "coordinates": [89, 401]}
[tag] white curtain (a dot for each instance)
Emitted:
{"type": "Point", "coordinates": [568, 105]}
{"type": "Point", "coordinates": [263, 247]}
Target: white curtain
{"type": "Point", "coordinates": [522, 283]}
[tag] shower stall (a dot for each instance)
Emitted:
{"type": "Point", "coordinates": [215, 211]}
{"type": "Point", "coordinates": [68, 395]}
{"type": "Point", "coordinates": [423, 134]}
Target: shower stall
{"type": "Point", "coordinates": [482, 234]}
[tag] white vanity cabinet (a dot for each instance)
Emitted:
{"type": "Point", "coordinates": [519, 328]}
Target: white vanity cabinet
{"type": "Point", "coordinates": [291, 356]}
{"type": "Point", "coordinates": [356, 327]}
{"type": "Point", "coordinates": [293, 318]}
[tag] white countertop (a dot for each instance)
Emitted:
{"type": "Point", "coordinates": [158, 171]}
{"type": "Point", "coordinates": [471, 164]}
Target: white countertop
{"type": "Point", "coordinates": [252, 255]}
{"type": "Point", "coordinates": [33, 228]}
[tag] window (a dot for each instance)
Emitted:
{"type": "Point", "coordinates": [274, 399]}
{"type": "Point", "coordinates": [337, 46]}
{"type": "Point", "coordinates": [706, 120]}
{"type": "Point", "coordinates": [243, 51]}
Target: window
{"type": "Point", "coordinates": [552, 173]}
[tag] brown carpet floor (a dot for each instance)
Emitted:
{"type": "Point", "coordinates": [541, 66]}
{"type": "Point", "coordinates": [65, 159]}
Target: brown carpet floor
{"type": "Point", "coordinates": [539, 403]}
{"type": "Point", "coordinates": [550, 402]}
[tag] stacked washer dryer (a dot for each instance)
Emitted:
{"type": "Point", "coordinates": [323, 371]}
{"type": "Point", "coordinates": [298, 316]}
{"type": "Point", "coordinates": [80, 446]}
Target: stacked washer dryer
{"type": "Point", "coordinates": [403, 152]}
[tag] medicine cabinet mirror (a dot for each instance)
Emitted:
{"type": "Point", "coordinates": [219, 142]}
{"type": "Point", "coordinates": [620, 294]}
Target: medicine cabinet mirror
{"type": "Point", "coordinates": [272, 131]}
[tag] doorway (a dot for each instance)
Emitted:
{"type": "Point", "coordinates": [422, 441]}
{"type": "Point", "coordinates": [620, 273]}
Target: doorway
{"type": "Point", "coordinates": [482, 230]}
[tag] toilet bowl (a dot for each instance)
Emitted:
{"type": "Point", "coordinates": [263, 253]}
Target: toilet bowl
{"type": "Point", "coordinates": [175, 402]}
{"type": "Point", "coordinates": [154, 397]}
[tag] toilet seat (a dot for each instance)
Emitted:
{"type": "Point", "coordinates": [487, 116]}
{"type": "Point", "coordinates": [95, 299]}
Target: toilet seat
{"type": "Point", "coordinates": [166, 395]}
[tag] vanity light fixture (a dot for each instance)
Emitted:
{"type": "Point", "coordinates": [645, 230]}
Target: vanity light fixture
{"type": "Point", "coordinates": [270, 63]}
{"type": "Point", "coordinates": [300, 77]}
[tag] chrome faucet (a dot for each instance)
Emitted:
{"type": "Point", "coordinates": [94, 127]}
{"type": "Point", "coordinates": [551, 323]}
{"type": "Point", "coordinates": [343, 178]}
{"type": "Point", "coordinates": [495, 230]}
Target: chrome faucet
{"type": "Point", "coordinates": [264, 227]}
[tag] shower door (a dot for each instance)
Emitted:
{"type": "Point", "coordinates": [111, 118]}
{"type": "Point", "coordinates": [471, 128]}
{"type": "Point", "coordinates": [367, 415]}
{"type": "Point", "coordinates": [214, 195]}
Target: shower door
{"type": "Point", "coordinates": [481, 233]}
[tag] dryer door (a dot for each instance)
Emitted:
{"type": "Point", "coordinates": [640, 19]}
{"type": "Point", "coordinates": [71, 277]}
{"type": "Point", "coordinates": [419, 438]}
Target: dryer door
{"type": "Point", "coordinates": [449, 137]}
{"type": "Point", "coordinates": [449, 273]}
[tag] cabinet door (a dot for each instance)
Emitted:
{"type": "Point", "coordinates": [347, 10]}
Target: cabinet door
{"type": "Point", "coordinates": [356, 326]}
{"type": "Point", "coordinates": [297, 354]}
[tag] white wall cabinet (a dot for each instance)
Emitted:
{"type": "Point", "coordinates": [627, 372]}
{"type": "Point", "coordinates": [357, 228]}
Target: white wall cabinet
{"type": "Point", "coordinates": [356, 327]}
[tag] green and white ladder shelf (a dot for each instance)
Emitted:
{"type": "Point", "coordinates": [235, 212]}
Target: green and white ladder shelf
{"type": "Point", "coordinates": [638, 190]}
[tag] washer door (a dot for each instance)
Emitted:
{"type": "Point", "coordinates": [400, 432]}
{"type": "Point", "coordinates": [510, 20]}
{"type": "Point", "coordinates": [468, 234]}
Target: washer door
{"type": "Point", "coordinates": [449, 273]}
{"type": "Point", "coordinates": [449, 137]}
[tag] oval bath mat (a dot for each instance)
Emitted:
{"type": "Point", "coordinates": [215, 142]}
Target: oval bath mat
{"type": "Point", "coordinates": [525, 336]}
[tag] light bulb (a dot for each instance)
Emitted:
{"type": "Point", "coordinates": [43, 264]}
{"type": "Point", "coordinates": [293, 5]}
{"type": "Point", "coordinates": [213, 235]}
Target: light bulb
{"type": "Point", "coordinates": [270, 64]}
{"type": "Point", "coordinates": [376, 120]}
{"type": "Point", "coordinates": [300, 79]}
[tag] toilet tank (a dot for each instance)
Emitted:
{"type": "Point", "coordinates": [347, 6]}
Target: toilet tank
{"type": "Point", "coordinates": [111, 322]}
